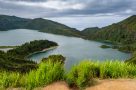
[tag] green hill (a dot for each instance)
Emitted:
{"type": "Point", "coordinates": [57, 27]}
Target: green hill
{"type": "Point", "coordinates": [11, 22]}
{"type": "Point", "coordinates": [122, 32]}
{"type": "Point", "coordinates": [88, 32]}
{"type": "Point", "coordinates": [43, 25]}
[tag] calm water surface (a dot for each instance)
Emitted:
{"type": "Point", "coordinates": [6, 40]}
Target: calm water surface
{"type": "Point", "coordinates": [74, 49]}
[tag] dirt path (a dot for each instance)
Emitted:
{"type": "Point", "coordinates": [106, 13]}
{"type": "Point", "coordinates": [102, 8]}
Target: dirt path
{"type": "Point", "coordinates": [119, 84]}
{"type": "Point", "coordinates": [57, 86]}
{"type": "Point", "coordinates": [116, 84]}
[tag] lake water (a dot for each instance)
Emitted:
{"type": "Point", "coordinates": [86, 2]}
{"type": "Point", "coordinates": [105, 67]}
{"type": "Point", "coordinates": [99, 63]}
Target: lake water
{"type": "Point", "coordinates": [74, 49]}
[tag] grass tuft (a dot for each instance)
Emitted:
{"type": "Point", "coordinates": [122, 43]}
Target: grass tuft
{"type": "Point", "coordinates": [46, 73]}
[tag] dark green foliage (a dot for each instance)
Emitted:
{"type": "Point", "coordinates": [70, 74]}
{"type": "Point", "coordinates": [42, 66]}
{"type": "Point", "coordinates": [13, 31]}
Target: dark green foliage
{"type": "Point", "coordinates": [49, 26]}
{"type": "Point", "coordinates": [31, 47]}
{"type": "Point", "coordinates": [12, 22]}
{"type": "Point", "coordinates": [89, 32]}
{"type": "Point", "coordinates": [15, 59]}
{"type": "Point", "coordinates": [128, 47]}
{"type": "Point", "coordinates": [132, 60]}
{"type": "Point", "coordinates": [1, 47]}
{"type": "Point", "coordinates": [54, 58]}
{"type": "Point", "coordinates": [43, 25]}
{"type": "Point", "coordinates": [105, 46]}
{"type": "Point", "coordinates": [10, 63]}
{"type": "Point", "coordinates": [122, 32]}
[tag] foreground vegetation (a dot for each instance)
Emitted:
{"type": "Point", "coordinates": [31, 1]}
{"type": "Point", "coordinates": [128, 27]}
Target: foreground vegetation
{"type": "Point", "coordinates": [80, 75]}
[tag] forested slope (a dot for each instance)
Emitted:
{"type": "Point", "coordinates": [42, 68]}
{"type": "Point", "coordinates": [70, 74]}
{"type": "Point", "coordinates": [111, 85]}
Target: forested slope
{"type": "Point", "coordinates": [43, 25]}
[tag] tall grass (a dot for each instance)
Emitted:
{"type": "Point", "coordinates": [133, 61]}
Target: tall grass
{"type": "Point", "coordinates": [8, 79]}
{"type": "Point", "coordinates": [46, 73]}
{"type": "Point", "coordinates": [117, 69]}
{"type": "Point", "coordinates": [80, 75]}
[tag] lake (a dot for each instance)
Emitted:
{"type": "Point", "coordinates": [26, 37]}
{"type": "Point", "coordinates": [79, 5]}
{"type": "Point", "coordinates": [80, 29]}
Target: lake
{"type": "Point", "coordinates": [74, 49]}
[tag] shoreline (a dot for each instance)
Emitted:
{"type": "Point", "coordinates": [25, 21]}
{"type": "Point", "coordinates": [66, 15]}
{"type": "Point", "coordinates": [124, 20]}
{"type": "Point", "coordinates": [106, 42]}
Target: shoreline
{"type": "Point", "coordinates": [5, 47]}
{"type": "Point", "coordinates": [44, 50]}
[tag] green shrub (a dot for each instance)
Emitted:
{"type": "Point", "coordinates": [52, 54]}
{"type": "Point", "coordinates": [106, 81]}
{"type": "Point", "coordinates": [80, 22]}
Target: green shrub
{"type": "Point", "coordinates": [54, 58]}
{"type": "Point", "coordinates": [105, 46]}
{"type": "Point", "coordinates": [46, 73]}
{"type": "Point", "coordinates": [82, 74]}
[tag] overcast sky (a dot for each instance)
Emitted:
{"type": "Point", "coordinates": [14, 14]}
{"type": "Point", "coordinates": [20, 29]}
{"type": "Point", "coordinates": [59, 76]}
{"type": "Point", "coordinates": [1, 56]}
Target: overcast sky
{"type": "Point", "coordinates": [75, 13]}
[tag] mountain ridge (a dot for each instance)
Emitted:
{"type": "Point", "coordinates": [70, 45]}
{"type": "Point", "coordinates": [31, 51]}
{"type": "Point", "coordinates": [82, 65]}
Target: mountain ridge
{"type": "Point", "coordinates": [43, 25]}
{"type": "Point", "coordinates": [121, 32]}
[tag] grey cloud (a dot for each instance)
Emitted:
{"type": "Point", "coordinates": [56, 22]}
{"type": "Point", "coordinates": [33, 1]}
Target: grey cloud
{"type": "Point", "coordinates": [91, 7]}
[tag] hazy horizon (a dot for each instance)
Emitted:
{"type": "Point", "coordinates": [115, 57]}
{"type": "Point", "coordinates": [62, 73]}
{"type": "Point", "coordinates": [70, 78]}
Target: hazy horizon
{"type": "Point", "coordinates": [74, 13]}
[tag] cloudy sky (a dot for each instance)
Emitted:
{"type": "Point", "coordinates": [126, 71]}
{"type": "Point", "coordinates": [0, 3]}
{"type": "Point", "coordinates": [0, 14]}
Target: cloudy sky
{"type": "Point", "coordinates": [75, 13]}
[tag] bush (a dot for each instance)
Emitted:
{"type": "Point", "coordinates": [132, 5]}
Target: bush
{"type": "Point", "coordinates": [105, 46]}
{"type": "Point", "coordinates": [55, 58]}
{"type": "Point", "coordinates": [46, 73]}
{"type": "Point", "coordinates": [82, 74]}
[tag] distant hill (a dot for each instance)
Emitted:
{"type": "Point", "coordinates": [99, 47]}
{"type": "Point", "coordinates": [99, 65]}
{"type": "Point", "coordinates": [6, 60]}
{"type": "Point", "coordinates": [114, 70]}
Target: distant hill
{"type": "Point", "coordinates": [122, 32]}
{"type": "Point", "coordinates": [12, 22]}
{"type": "Point", "coordinates": [89, 32]}
{"type": "Point", "coordinates": [43, 25]}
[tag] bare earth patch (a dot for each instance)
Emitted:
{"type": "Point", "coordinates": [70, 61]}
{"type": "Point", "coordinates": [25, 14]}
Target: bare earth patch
{"type": "Point", "coordinates": [107, 84]}
{"type": "Point", "coordinates": [115, 84]}
{"type": "Point", "coordinates": [57, 86]}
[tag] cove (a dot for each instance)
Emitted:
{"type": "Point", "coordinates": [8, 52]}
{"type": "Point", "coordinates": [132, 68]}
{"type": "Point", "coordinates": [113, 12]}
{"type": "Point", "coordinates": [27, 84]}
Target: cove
{"type": "Point", "coordinates": [73, 48]}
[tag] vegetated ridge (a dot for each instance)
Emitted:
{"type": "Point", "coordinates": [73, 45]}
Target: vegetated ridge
{"type": "Point", "coordinates": [123, 34]}
{"type": "Point", "coordinates": [43, 25]}
{"type": "Point", "coordinates": [15, 59]}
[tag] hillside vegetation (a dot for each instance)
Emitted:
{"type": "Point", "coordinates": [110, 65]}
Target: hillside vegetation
{"type": "Point", "coordinates": [43, 25]}
{"type": "Point", "coordinates": [15, 59]}
{"type": "Point", "coordinates": [89, 32]}
{"type": "Point", "coordinates": [123, 34]}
